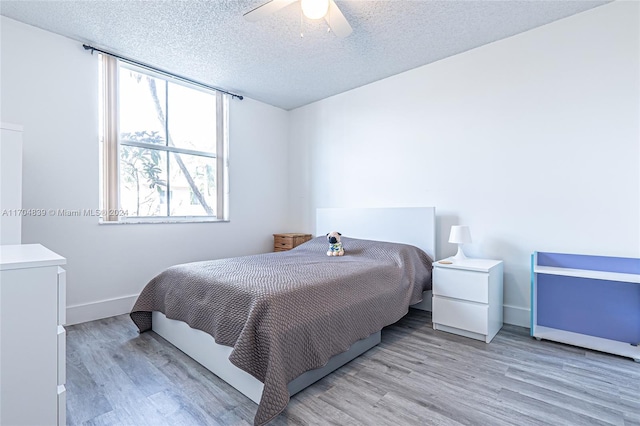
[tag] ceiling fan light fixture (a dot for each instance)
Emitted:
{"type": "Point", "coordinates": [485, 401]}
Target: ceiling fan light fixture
{"type": "Point", "coordinates": [314, 9]}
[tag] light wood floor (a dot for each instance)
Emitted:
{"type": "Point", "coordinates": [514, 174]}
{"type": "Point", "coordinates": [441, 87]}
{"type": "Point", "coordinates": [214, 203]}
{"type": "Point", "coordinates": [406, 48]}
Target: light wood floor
{"type": "Point", "coordinates": [416, 376]}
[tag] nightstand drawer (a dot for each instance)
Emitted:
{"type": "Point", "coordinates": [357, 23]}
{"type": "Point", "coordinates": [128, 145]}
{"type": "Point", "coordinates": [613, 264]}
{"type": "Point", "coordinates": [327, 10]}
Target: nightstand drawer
{"type": "Point", "coordinates": [459, 314]}
{"type": "Point", "coordinates": [461, 284]}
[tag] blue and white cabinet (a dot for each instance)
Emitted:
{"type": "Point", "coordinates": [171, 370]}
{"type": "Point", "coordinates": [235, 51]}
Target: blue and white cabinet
{"type": "Point", "coordinates": [587, 301]}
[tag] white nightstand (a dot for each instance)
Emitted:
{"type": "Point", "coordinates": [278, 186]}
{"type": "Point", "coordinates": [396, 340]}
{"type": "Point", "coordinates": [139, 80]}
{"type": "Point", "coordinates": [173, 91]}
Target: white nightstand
{"type": "Point", "coordinates": [467, 297]}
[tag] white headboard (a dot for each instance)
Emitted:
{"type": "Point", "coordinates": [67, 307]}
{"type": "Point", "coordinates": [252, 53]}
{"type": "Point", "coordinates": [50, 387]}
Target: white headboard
{"type": "Point", "coordinates": [411, 225]}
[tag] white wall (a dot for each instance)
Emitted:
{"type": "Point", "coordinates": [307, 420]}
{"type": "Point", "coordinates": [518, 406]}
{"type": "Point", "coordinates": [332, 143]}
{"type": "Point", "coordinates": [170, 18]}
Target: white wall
{"type": "Point", "coordinates": [50, 86]}
{"type": "Point", "coordinates": [532, 141]}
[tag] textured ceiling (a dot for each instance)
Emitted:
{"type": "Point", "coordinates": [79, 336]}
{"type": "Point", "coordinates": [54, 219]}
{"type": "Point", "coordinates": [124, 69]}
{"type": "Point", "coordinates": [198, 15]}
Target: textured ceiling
{"type": "Point", "coordinates": [209, 41]}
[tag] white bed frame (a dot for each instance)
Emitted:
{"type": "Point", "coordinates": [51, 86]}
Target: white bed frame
{"type": "Point", "coordinates": [415, 226]}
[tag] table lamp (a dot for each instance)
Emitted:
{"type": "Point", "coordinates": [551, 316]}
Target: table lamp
{"type": "Point", "coordinates": [460, 235]}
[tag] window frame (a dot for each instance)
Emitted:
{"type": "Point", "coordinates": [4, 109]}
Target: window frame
{"type": "Point", "coordinates": [111, 143]}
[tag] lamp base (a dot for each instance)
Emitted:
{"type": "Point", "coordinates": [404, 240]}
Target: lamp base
{"type": "Point", "coordinates": [460, 254]}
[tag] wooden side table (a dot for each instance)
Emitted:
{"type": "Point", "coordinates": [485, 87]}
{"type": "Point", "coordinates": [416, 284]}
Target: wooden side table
{"type": "Point", "coordinates": [284, 242]}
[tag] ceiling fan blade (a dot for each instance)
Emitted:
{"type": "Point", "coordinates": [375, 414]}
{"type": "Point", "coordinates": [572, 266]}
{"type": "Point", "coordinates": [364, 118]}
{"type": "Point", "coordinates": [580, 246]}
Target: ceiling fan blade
{"type": "Point", "coordinates": [266, 9]}
{"type": "Point", "coordinates": [336, 20]}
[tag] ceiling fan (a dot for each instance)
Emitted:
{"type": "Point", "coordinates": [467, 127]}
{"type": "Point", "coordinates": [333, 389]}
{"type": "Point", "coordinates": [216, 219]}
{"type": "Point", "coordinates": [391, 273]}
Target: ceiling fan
{"type": "Point", "coordinates": [312, 9]}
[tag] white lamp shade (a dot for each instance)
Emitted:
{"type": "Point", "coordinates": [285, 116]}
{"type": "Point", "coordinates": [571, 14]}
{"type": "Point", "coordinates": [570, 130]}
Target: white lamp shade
{"type": "Point", "coordinates": [460, 235]}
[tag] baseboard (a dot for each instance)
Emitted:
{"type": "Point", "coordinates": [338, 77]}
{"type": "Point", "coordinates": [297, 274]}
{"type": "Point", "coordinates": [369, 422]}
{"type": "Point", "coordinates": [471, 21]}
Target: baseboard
{"type": "Point", "coordinates": [77, 314]}
{"type": "Point", "coordinates": [517, 315]}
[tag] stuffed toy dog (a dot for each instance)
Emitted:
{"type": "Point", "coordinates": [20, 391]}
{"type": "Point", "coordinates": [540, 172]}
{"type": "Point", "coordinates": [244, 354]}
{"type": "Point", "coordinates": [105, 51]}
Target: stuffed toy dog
{"type": "Point", "coordinates": [335, 246]}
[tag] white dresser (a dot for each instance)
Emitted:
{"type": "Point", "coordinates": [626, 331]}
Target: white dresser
{"type": "Point", "coordinates": [467, 297]}
{"type": "Point", "coordinates": [32, 338]}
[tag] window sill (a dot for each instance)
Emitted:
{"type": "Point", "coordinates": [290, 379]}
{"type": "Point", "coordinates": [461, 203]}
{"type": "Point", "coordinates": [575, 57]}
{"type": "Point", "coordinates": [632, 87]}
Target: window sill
{"type": "Point", "coordinates": [162, 220]}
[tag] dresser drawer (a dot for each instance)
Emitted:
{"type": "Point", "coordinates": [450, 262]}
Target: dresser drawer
{"type": "Point", "coordinates": [459, 314]}
{"type": "Point", "coordinates": [62, 296]}
{"type": "Point", "coordinates": [284, 242]}
{"type": "Point", "coordinates": [62, 355]}
{"type": "Point", "coordinates": [461, 284]}
{"type": "Point", "coordinates": [62, 405]}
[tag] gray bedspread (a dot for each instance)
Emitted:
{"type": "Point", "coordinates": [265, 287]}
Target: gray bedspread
{"type": "Point", "coordinates": [289, 312]}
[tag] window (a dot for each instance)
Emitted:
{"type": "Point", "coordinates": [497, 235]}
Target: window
{"type": "Point", "coordinates": [164, 147]}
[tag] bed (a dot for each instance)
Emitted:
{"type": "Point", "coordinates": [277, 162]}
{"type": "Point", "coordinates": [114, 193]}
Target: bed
{"type": "Point", "coordinates": [303, 314]}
